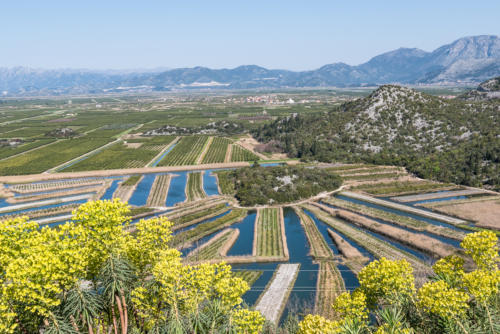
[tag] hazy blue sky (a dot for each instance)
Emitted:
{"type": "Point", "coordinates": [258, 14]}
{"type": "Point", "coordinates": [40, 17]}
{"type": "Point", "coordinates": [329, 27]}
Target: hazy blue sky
{"type": "Point", "coordinates": [288, 34]}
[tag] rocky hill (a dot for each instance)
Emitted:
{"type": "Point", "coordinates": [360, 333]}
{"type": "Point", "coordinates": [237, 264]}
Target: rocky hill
{"type": "Point", "coordinates": [401, 126]}
{"type": "Point", "coordinates": [466, 61]}
{"type": "Point", "coordinates": [487, 90]}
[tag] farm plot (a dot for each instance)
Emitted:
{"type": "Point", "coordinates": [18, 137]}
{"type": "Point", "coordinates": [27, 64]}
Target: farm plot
{"type": "Point", "coordinates": [131, 154]}
{"type": "Point", "coordinates": [194, 188]}
{"type": "Point", "coordinates": [54, 211]}
{"type": "Point", "coordinates": [26, 188]}
{"type": "Point", "coordinates": [250, 276]}
{"type": "Point", "coordinates": [319, 247]}
{"type": "Point", "coordinates": [371, 176]}
{"type": "Point", "coordinates": [216, 247]}
{"type": "Point", "coordinates": [187, 208]}
{"type": "Point", "coordinates": [422, 242]}
{"type": "Point", "coordinates": [159, 189]}
{"type": "Point", "coordinates": [197, 216]}
{"type": "Point", "coordinates": [77, 191]}
{"type": "Point", "coordinates": [185, 238]}
{"type": "Point", "coordinates": [371, 170]}
{"type": "Point", "coordinates": [126, 188]}
{"type": "Point", "coordinates": [404, 208]}
{"type": "Point", "coordinates": [6, 152]}
{"type": "Point", "coordinates": [402, 187]}
{"type": "Point", "coordinates": [329, 286]}
{"type": "Point", "coordinates": [483, 211]}
{"type": "Point", "coordinates": [393, 218]}
{"type": "Point", "coordinates": [436, 195]}
{"type": "Point", "coordinates": [239, 153]}
{"type": "Point", "coordinates": [374, 245]}
{"type": "Point", "coordinates": [346, 249]}
{"type": "Point", "coordinates": [272, 301]}
{"type": "Point", "coordinates": [269, 240]}
{"type": "Point", "coordinates": [49, 156]}
{"type": "Point", "coordinates": [217, 151]}
{"type": "Point", "coordinates": [186, 152]}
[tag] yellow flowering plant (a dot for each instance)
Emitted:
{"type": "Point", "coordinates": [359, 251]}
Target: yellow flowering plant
{"type": "Point", "coordinates": [441, 299]}
{"type": "Point", "coordinates": [483, 248]}
{"type": "Point", "coordinates": [246, 321]}
{"type": "Point", "coordinates": [316, 324]}
{"type": "Point", "coordinates": [386, 279]}
{"type": "Point", "coordinates": [482, 284]}
{"type": "Point", "coordinates": [450, 269]}
{"type": "Point", "coordinates": [351, 305]}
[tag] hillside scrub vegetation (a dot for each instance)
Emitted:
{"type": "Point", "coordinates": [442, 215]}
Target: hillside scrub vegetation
{"type": "Point", "coordinates": [259, 185]}
{"type": "Point", "coordinates": [448, 140]}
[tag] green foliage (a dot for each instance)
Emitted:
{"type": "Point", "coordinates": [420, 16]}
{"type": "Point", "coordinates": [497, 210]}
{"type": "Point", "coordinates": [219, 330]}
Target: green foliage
{"type": "Point", "coordinates": [283, 184]}
{"type": "Point", "coordinates": [239, 153]}
{"type": "Point", "coordinates": [216, 153]}
{"type": "Point", "coordinates": [186, 152]}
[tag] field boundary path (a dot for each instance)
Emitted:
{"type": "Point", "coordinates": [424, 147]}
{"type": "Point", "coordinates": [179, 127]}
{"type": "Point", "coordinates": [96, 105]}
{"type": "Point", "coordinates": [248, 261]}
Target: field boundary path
{"type": "Point", "coordinates": [272, 302]}
{"type": "Point", "coordinates": [404, 208]}
{"type": "Point", "coordinates": [229, 151]}
{"type": "Point", "coordinates": [113, 172]}
{"type": "Point", "coordinates": [205, 150]}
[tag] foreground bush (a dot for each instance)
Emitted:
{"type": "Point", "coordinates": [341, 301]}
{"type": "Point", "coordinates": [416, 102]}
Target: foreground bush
{"type": "Point", "coordinates": [90, 276]}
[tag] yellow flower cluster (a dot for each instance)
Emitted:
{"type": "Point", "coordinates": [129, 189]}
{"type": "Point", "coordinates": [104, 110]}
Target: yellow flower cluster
{"type": "Point", "coordinates": [316, 324]}
{"type": "Point", "coordinates": [386, 279]}
{"type": "Point", "coordinates": [482, 284]}
{"type": "Point", "coordinates": [483, 248]}
{"type": "Point", "coordinates": [450, 269]}
{"type": "Point", "coordinates": [247, 322]}
{"type": "Point", "coordinates": [396, 328]}
{"type": "Point", "coordinates": [351, 305]}
{"type": "Point", "coordinates": [441, 299]}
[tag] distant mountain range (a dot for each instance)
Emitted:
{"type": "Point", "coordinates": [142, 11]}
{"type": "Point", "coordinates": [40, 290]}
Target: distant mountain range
{"type": "Point", "coordinates": [466, 61]}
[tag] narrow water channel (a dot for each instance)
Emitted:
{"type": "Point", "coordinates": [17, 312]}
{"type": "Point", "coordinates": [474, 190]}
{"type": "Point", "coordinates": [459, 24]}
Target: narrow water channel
{"type": "Point", "coordinates": [111, 189]}
{"type": "Point", "coordinates": [177, 190]}
{"type": "Point", "coordinates": [141, 192]}
{"type": "Point", "coordinates": [210, 183]}
{"type": "Point", "coordinates": [244, 244]}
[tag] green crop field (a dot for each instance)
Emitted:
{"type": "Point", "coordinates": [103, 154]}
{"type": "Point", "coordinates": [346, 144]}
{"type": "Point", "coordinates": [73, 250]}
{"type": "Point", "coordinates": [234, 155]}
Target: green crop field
{"type": "Point", "coordinates": [239, 153]}
{"type": "Point", "coordinates": [269, 241]}
{"type": "Point", "coordinates": [134, 154]}
{"type": "Point", "coordinates": [44, 158]}
{"type": "Point", "coordinates": [217, 150]}
{"type": "Point", "coordinates": [186, 152]}
{"type": "Point", "coordinates": [194, 189]}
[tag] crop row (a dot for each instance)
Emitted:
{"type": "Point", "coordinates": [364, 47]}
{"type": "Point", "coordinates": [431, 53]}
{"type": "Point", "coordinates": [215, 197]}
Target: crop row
{"type": "Point", "coordinates": [319, 247]}
{"type": "Point", "coordinates": [370, 170]}
{"type": "Point", "coordinates": [124, 155]}
{"type": "Point", "coordinates": [26, 188]}
{"type": "Point", "coordinates": [187, 208]}
{"type": "Point", "coordinates": [49, 156]}
{"type": "Point", "coordinates": [194, 188]}
{"type": "Point", "coordinates": [68, 192]}
{"type": "Point", "coordinates": [269, 238]}
{"type": "Point", "coordinates": [364, 177]}
{"type": "Point", "coordinates": [393, 218]}
{"type": "Point", "coordinates": [8, 151]}
{"type": "Point", "coordinates": [402, 187]}
{"type": "Point", "coordinates": [375, 246]}
{"type": "Point", "coordinates": [159, 189]}
{"type": "Point", "coordinates": [250, 276]}
{"type": "Point", "coordinates": [217, 151]}
{"type": "Point", "coordinates": [239, 153]}
{"type": "Point", "coordinates": [211, 250]}
{"type": "Point", "coordinates": [329, 286]}
{"type": "Point", "coordinates": [207, 228]}
{"type": "Point", "coordinates": [198, 216]}
{"type": "Point", "coordinates": [43, 212]}
{"type": "Point", "coordinates": [186, 152]}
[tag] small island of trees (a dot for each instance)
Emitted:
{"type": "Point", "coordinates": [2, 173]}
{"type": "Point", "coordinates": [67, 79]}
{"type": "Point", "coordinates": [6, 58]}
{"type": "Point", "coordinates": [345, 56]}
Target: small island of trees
{"type": "Point", "coordinates": [259, 185]}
